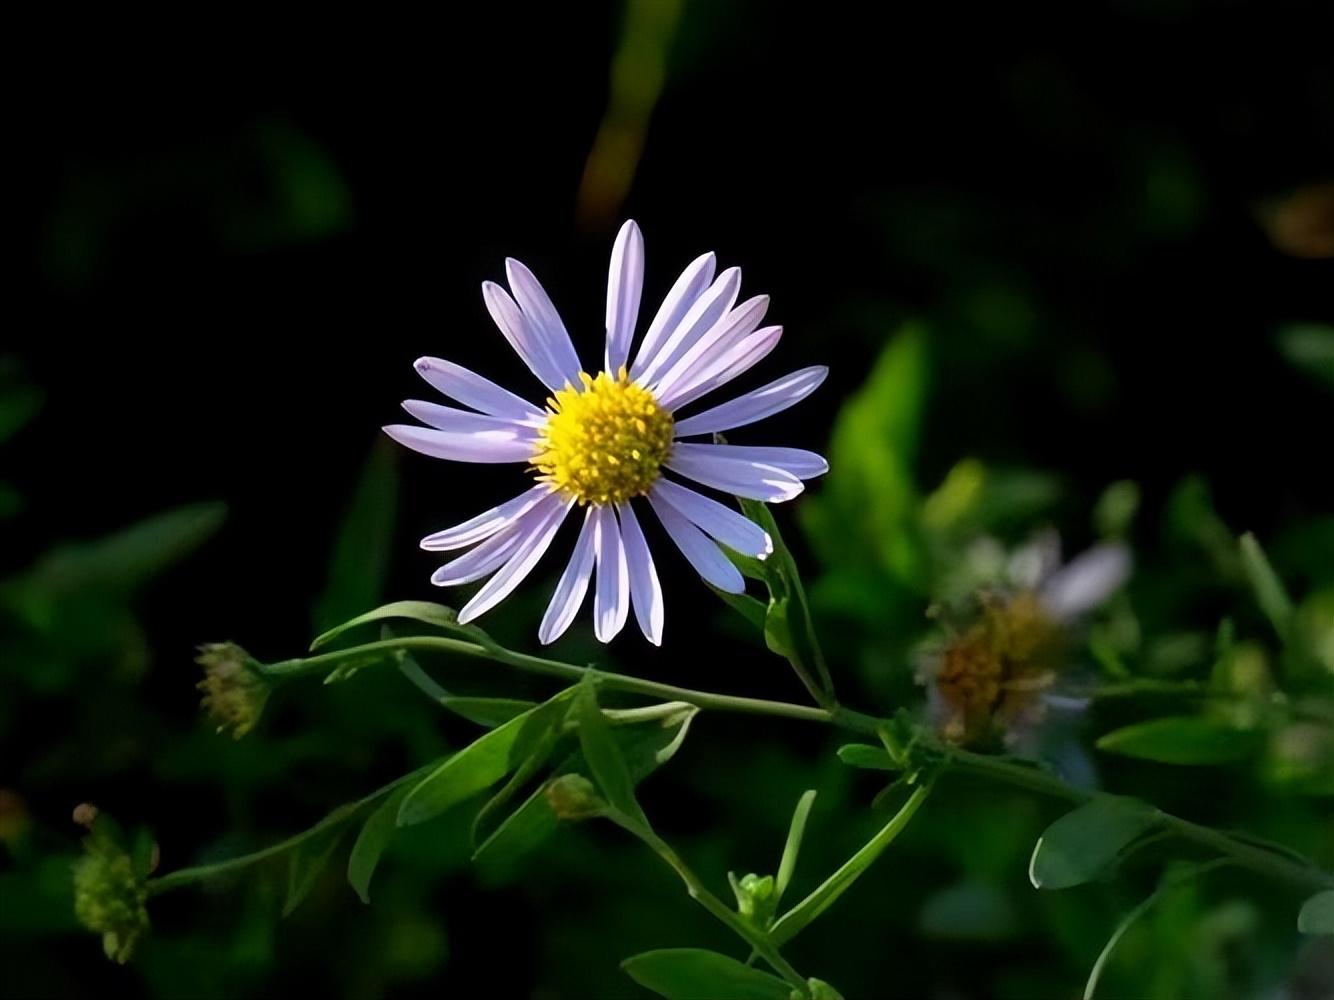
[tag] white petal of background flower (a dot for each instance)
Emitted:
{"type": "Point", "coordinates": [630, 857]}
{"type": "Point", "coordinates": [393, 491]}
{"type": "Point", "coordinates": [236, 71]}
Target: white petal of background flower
{"type": "Point", "coordinates": [473, 391]}
{"type": "Point", "coordinates": [573, 585]}
{"type": "Point", "coordinates": [645, 590]}
{"type": "Point", "coordinates": [625, 282]}
{"type": "Point", "coordinates": [704, 555]}
{"type": "Point", "coordinates": [756, 404]}
{"type": "Point", "coordinates": [1086, 581]}
{"type": "Point", "coordinates": [687, 289]}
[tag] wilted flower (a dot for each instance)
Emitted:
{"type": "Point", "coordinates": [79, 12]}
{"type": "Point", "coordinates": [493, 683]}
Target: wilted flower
{"type": "Point", "coordinates": [993, 675]}
{"type": "Point", "coordinates": [234, 688]}
{"type": "Point", "coordinates": [109, 892]}
{"type": "Point", "coordinates": [605, 440]}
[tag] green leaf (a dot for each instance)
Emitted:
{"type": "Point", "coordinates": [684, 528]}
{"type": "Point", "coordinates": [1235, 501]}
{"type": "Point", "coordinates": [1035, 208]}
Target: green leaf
{"type": "Point", "coordinates": [18, 405]}
{"type": "Point", "coordinates": [866, 756]}
{"type": "Point", "coordinates": [373, 841]}
{"type": "Point", "coordinates": [645, 749]}
{"type": "Point", "coordinates": [305, 863]}
{"type": "Point", "coordinates": [1084, 843]}
{"type": "Point", "coordinates": [489, 712]}
{"type": "Point", "coordinates": [1182, 739]}
{"type": "Point", "coordinates": [791, 923]}
{"type": "Point", "coordinates": [123, 562]}
{"type": "Point", "coordinates": [748, 607]}
{"type": "Point", "coordinates": [1269, 591]}
{"type": "Point", "coordinates": [1310, 347]}
{"type": "Point", "coordinates": [696, 974]}
{"type": "Point", "coordinates": [360, 559]}
{"type": "Point", "coordinates": [603, 754]}
{"type": "Point", "coordinates": [792, 848]}
{"type": "Point", "coordinates": [1317, 914]}
{"type": "Point", "coordinates": [425, 612]}
{"type": "Point", "coordinates": [480, 764]}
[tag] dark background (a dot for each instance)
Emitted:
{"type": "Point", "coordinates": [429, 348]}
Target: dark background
{"type": "Point", "coordinates": [233, 243]}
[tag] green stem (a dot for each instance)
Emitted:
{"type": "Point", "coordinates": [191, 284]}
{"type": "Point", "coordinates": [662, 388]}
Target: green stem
{"type": "Point", "coordinates": [699, 892]}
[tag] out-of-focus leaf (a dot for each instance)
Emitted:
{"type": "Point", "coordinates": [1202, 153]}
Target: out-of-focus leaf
{"type": "Point", "coordinates": [122, 562]}
{"type": "Point", "coordinates": [969, 911]}
{"type": "Point", "coordinates": [480, 764]}
{"type": "Point", "coordinates": [1182, 739]}
{"type": "Point", "coordinates": [696, 974]}
{"type": "Point", "coordinates": [866, 756]}
{"type": "Point", "coordinates": [1083, 844]}
{"type": "Point", "coordinates": [1269, 590]}
{"type": "Point", "coordinates": [424, 612]}
{"type": "Point", "coordinates": [792, 846]}
{"type": "Point", "coordinates": [603, 754]}
{"type": "Point", "coordinates": [794, 920]}
{"type": "Point", "coordinates": [489, 712]}
{"type": "Point", "coordinates": [360, 558]}
{"type": "Point", "coordinates": [1317, 914]}
{"type": "Point", "coordinates": [1310, 347]}
{"type": "Point", "coordinates": [1115, 510]}
{"type": "Point", "coordinates": [11, 502]}
{"type": "Point", "coordinates": [18, 405]}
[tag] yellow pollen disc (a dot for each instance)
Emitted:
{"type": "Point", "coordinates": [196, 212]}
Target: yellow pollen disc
{"type": "Point", "coordinates": [604, 440]}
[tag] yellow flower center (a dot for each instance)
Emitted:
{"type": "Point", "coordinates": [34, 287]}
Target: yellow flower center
{"type": "Point", "coordinates": [604, 440]}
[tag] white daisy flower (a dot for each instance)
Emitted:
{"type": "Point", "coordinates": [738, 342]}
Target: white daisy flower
{"type": "Point", "coordinates": [602, 441]}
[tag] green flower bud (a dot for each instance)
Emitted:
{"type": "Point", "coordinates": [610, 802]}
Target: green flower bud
{"type": "Point", "coordinates": [234, 688]}
{"type": "Point", "coordinates": [573, 797]}
{"type": "Point", "coordinates": [754, 897]}
{"type": "Point", "coordinates": [109, 894]}
{"type": "Point", "coordinates": [820, 990]}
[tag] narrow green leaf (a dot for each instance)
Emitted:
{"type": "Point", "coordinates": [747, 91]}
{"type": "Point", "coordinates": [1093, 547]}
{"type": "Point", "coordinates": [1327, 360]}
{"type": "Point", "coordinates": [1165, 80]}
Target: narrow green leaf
{"type": "Point", "coordinates": [488, 712]}
{"type": "Point", "coordinates": [1084, 843]}
{"type": "Point", "coordinates": [1270, 593]}
{"type": "Point", "coordinates": [1317, 914]}
{"type": "Point", "coordinates": [480, 764]}
{"type": "Point", "coordinates": [1310, 347]}
{"type": "Point", "coordinates": [645, 749]}
{"type": "Point", "coordinates": [696, 974]}
{"type": "Point", "coordinates": [749, 608]}
{"type": "Point", "coordinates": [373, 841]}
{"type": "Point", "coordinates": [866, 756]}
{"type": "Point", "coordinates": [603, 754]}
{"type": "Point", "coordinates": [791, 923]}
{"type": "Point", "coordinates": [425, 612]}
{"type": "Point", "coordinates": [360, 559]}
{"type": "Point", "coordinates": [1182, 739]}
{"type": "Point", "coordinates": [522, 776]}
{"type": "Point", "coordinates": [305, 864]}
{"type": "Point", "coordinates": [792, 848]}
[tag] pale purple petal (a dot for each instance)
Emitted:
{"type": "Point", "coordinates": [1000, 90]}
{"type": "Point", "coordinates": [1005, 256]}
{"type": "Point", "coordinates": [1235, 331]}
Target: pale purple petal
{"type": "Point", "coordinates": [692, 283]}
{"type": "Point", "coordinates": [704, 555]}
{"type": "Point", "coordinates": [756, 404]}
{"type": "Point", "coordinates": [486, 447]}
{"type": "Point", "coordinates": [719, 371]}
{"type": "Point", "coordinates": [736, 476]}
{"type": "Point", "coordinates": [470, 389]}
{"type": "Point", "coordinates": [520, 564]}
{"type": "Point", "coordinates": [456, 421]}
{"type": "Point", "coordinates": [573, 585]}
{"type": "Point", "coordinates": [645, 591]}
{"type": "Point", "coordinates": [490, 554]}
{"type": "Point", "coordinates": [726, 525]}
{"type": "Point", "coordinates": [522, 335]}
{"type": "Point", "coordinates": [541, 313]}
{"type": "Point", "coordinates": [710, 307]}
{"type": "Point", "coordinates": [625, 282]}
{"type": "Point", "coordinates": [611, 596]}
{"type": "Point", "coordinates": [485, 524]}
{"type": "Point", "coordinates": [714, 344]}
{"type": "Point", "coordinates": [797, 461]}
{"type": "Point", "coordinates": [1086, 581]}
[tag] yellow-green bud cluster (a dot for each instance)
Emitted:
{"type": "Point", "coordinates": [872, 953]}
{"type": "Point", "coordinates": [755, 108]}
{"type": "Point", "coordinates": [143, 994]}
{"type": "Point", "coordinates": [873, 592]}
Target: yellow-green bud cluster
{"type": "Point", "coordinates": [109, 896]}
{"type": "Point", "coordinates": [234, 689]}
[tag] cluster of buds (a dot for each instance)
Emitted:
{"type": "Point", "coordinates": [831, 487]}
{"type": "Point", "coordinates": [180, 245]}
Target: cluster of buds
{"type": "Point", "coordinates": [110, 884]}
{"type": "Point", "coordinates": [235, 689]}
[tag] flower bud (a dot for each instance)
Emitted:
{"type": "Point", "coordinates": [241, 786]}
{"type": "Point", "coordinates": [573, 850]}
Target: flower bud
{"type": "Point", "coordinates": [573, 797]}
{"type": "Point", "coordinates": [109, 894]}
{"type": "Point", "coordinates": [754, 897]}
{"type": "Point", "coordinates": [820, 990]}
{"type": "Point", "coordinates": [234, 688]}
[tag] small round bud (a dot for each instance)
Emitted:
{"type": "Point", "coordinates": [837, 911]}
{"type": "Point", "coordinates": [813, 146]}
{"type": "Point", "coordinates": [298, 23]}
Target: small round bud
{"type": "Point", "coordinates": [85, 815]}
{"type": "Point", "coordinates": [755, 897]}
{"type": "Point", "coordinates": [234, 688]}
{"type": "Point", "coordinates": [573, 797]}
